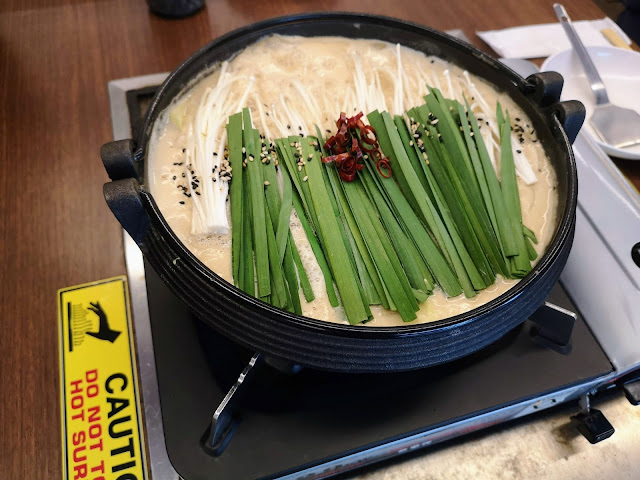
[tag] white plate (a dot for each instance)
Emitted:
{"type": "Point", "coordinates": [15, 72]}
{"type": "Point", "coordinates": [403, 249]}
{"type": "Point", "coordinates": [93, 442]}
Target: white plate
{"type": "Point", "coordinates": [620, 72]}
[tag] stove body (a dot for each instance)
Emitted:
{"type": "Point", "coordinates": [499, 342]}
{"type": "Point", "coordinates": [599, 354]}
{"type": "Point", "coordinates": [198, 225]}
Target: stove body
{"type": "Point", "coordinates": [313, 424]}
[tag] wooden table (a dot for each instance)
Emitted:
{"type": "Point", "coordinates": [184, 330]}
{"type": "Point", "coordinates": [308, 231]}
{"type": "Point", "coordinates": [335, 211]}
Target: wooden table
{"type": "Point", "coordinates": [55, 61]}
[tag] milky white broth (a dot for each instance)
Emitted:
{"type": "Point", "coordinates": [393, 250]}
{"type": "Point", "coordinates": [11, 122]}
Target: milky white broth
{"type": "Point", "coordinates": [323, 66]}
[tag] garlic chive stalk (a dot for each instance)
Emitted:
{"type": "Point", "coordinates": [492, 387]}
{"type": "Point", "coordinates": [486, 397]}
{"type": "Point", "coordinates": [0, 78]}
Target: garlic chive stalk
{"type": "Point", "coordinates": [522, 164]}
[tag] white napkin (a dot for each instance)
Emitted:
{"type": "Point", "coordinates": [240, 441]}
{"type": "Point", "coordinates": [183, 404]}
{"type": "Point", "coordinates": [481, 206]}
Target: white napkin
{"type": "Point", "coordinates": [535, 41]}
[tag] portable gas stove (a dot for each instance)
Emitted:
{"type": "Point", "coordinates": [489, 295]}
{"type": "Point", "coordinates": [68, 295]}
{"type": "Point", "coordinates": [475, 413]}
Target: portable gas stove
{"type": "Point", "coordinates": [213, 410]}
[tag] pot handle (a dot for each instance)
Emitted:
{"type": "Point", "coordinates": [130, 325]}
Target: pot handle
{"type": "Point", "coordinates": [571, 115]}
{"type": "Point", "coordinates": [119, 159]}
{"type": "Point", "coordinates": [123, 198]}
{"type": "Point", "coordinates": [544, 88]}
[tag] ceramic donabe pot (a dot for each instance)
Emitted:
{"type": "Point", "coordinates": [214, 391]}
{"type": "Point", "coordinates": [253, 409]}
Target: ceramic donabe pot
{"type": "Point", "coordinates": [315, 343]}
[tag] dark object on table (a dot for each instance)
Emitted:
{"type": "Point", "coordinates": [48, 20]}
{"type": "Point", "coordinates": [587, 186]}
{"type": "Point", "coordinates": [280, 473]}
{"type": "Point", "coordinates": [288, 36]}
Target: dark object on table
{"type": "Point", "coordinates": [175, 8]}
{"type": "Point", "coordinates": [629, 19]}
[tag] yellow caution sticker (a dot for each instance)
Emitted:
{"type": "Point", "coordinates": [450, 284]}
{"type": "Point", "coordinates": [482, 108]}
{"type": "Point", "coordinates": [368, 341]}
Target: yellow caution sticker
{"type": "Point", "coordinates": [102, 432]}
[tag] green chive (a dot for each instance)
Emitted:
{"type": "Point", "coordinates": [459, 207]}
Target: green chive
{"type": "Point", "coordinates": [348, 286]}
{"type": "Point", "coordinates": [317, 251]}
{"type": "Point", "coordinates": [234, 141]}
{"type": "Point", "coordinates": [504, 230]}
{"type": "Point", "coordinates": [256, 193]}
{"type": "Point", "coordinates": [520, 264]}
{"type": "Point", "coordinates": [279, 294]}
{"type": "Point", "coordinates": [529, 234]}
{"type": "Point", "coordinates": [381, 250]}
{"type": "Point", "coordinates": [304, 279]}
{"type": "Point", "coordinates": [409, 257]}
{"type": "Point", "coordinates": [429, 251]}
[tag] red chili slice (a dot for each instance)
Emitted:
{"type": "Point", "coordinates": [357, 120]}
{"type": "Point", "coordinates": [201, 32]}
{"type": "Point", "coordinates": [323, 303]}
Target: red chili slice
{"type": "Point", "coordinates": [348, 144]}
{"type": "Point", "coordinates": [336, 158]}
{"type": "Point", "coordinates": [384, 164]}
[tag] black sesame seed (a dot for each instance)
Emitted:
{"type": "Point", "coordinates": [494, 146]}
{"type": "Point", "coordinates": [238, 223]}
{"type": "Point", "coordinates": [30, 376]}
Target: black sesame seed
{"type": "Point", "coordinates": [518, 151]}
{"type": "Point", "coordinates": [181, 202]}
{"type": "Point", "coordinates": [517, 119]}
{"type": "Point", "coordinates": [174, 177]}
{"type": "Point", "coordinates": [215, 154]}
{"type": "Point", "coordinates": [521, 140]}
{"type": "Point", "coordinates": [197, 193]}
{"type": "Point", "coordinates": [184, 150]}
{"type": "Point", "coordinates": [184, 174]}
{"type": "Point", "coordinates": [289, 127]}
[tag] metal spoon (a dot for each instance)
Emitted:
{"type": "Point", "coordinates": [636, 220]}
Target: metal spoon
{"type": "Point", "coordinates": [616, 126]}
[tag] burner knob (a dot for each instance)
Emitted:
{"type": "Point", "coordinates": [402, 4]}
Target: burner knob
{"type": "Point", "coordinates": [592, 423]}
{"type": "Point", "coordinates": [631, 390]}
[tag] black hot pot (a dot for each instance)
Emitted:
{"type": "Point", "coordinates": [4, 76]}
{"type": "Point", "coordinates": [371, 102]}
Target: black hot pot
{"type": "Point", "coordinates": [314, 343]}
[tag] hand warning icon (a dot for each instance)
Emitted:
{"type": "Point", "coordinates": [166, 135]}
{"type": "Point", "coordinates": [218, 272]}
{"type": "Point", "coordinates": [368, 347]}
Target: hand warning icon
{"type": "Point", "coordinates": [104, 331]}
{"type": "Point", "coordinates": [80, 326]}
